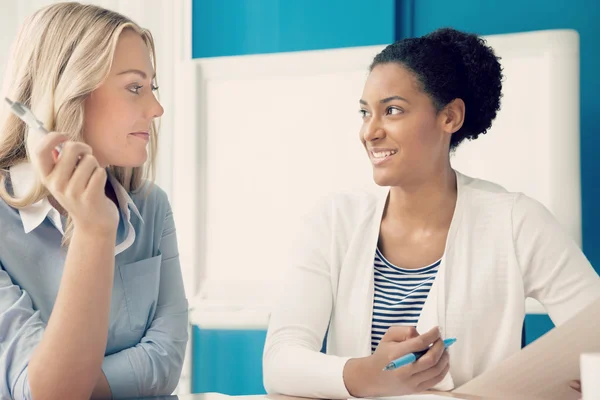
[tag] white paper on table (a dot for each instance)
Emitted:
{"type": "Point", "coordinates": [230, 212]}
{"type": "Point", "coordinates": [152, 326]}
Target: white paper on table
{"type": "Point", "coordinates": [590, 372]}
{"type": "Point", "coordinates": [418, 397]}
{"type": "Point", "coordinates": [544, 368]}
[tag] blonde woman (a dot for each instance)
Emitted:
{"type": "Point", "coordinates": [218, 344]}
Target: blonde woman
{"type": "Point", "coordinates": [91, 293]}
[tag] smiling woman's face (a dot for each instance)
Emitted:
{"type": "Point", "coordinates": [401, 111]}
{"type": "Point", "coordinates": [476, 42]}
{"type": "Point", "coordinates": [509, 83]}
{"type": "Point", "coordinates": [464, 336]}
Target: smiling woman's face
{"type": "Point", "coordinates": [402, 130]}
{"type": "Point", "coordinates": [118, 114]}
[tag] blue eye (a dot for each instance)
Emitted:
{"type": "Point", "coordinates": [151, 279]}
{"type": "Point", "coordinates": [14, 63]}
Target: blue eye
{"type": "Point", "coordinates": [135, 89]}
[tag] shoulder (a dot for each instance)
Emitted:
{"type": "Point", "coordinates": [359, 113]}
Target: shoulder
{"type": "Point", "coordinates": [149, 192]}
{"type": "Point", "coordinates": [151, 200]}
{"type": "Point", "coordinates": [484, 195]}
{"type": "Point", "coordinates": [490, 196]}
{"type": "Point", "coordinates": [338, 216]}
{"type": "Point", "coordinates": [481, 186]}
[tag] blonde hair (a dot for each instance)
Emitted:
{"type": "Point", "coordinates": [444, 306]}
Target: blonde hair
{"type": "Point", "coordinates": [62, 53]}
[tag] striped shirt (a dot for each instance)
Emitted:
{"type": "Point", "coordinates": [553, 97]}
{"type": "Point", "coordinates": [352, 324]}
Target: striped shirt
{"type": "Point", "coordinates": [399, 295]}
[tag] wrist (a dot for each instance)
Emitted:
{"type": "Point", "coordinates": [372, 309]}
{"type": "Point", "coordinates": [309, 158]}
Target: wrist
{"type": "Point", "coordinates": [96, 233]}
{"type": "Point", "coordinates": [106, 230]}
{"type": "Point", "coordinates": [357, 377]}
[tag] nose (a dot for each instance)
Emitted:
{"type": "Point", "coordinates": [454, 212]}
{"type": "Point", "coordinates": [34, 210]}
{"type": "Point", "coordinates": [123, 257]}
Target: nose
{"type": "Point", "coordinates": [372, 130]}
{"type": "Point", "coordinates": [155, 109]}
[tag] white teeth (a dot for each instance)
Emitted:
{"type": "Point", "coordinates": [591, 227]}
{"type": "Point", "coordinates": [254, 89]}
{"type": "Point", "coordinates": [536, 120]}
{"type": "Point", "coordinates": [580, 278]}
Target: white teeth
{"type": "Point", "coordinates": [383, 154]}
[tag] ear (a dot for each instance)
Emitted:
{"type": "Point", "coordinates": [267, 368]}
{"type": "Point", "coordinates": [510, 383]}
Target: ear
{"type": "Point", "coordinates": [453, 116]}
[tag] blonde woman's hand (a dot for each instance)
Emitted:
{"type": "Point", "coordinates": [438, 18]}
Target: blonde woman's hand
{"type": "Point", "coordinates": [366, 377]}
{"type": "Point", "coordinates": [576, 385]}
{"type": "Point", "coordinates": [77, 182]}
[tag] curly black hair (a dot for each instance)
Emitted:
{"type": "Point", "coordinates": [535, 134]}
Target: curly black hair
{"type": "Point", "coordinates": [451, 64]}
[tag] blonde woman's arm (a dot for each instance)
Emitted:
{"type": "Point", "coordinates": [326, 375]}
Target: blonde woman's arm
{"type": "Point", "coordinates": [67, 361]}
{"type": "Point", "coordinates": [22, 333]}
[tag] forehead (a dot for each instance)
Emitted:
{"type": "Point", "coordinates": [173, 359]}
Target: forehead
{"type": "Point", "coordinates": [391, 79]}
{"type": "Point", "coordinates": [132, 53]}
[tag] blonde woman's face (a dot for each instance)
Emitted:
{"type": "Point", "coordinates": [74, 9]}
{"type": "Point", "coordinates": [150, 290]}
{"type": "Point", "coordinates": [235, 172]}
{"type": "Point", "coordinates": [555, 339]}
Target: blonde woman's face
{"type": "Point", "coordinates": [118, 114]}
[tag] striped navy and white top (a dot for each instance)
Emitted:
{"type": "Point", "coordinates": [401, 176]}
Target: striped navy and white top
{"type": "Point", "coordinates": [399, 295]}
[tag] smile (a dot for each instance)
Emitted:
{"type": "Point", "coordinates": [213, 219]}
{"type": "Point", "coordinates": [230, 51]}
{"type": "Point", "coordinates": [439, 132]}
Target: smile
{"type": "Point", "coordinates": [380, 156]}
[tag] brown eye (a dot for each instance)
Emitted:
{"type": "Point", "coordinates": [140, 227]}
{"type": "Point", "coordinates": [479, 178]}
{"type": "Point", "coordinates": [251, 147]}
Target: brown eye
{"type": "Point", "coordinates": [394, 111]}
{"type": "Point", "coordinates": [363, 113]}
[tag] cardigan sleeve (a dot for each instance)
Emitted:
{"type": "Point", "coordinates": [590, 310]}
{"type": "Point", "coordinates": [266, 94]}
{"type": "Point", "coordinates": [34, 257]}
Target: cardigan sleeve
{"type": "Point", "coordinates": [555, 270]}
{"type": "Point", "coordinates": [292, 362]}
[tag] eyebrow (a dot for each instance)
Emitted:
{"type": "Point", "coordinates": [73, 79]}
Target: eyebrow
{"type": "Point", "coordinates": [138, 72]}
{"type": "Point", "coordinates": [386, 100]}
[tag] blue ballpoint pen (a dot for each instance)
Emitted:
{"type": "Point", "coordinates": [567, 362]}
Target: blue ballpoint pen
{"type": "Point", "coordinates": [412, 357]}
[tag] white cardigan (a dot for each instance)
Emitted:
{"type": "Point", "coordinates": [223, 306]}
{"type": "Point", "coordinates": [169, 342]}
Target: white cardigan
{"type": "Point", "coordinates": [501, 248]}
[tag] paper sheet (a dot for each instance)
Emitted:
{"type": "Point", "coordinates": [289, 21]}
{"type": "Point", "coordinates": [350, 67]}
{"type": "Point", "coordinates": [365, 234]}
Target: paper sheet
{"type": "Point", "coordinates": [418, 397]}
{"type": "Point", "coordinates": [544, 368]}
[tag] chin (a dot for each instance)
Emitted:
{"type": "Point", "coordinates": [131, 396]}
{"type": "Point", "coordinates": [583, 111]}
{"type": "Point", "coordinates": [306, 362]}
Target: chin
{"type": "Point", "coordinates": [137, 163]}
{"type": "Point", "coordinates": [385, 178]}
{"type": "Point", "coordinates": [133, 161]}
{"type": "Point", "coordinates": [381, 180]}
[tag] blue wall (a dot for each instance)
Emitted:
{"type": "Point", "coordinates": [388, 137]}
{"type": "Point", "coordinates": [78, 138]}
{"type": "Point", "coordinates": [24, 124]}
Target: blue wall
{"type": "Point", "coordinates": [227, 361]}
{"type": "Point", "coordinates": [237, 27]}
{"type": "Point", "coordinates": [505, 16]}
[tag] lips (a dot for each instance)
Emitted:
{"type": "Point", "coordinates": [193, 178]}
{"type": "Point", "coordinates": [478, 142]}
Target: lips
{"type": "Point", "coordinates": [379, 155]}
{"type": "Point", "coordinates": [142, 135]}
{"type": "Point", "coordinates": [383, 153]}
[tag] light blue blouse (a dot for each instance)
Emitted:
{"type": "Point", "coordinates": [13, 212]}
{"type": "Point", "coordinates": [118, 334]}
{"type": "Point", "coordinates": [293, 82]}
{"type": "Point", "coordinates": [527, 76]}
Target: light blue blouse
{"type": "Point", "coordinates": [147, 333]}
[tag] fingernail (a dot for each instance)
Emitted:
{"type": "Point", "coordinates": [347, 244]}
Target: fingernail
{"type": "Point", "coordinates": [575, 385]}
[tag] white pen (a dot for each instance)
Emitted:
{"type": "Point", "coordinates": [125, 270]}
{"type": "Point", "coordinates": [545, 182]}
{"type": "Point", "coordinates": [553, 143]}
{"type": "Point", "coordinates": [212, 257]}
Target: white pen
{"type": "Point", "coordinates": [25, 114]}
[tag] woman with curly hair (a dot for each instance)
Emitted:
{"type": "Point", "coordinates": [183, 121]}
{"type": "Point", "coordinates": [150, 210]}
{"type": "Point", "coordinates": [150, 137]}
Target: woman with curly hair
{"type": "Point", "coordinates": [436, 252]}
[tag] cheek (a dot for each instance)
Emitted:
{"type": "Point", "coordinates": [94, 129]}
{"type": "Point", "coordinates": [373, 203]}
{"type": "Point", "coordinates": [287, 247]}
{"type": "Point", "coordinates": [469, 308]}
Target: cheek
{"type": "Point", "coordinates": [108, 118]}
{"type": "Point", "coordinates": [423, 132]}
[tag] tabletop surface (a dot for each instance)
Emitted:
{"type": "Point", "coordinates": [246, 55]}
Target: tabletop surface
{"type": "Point", "coordinates": [219, 396]}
